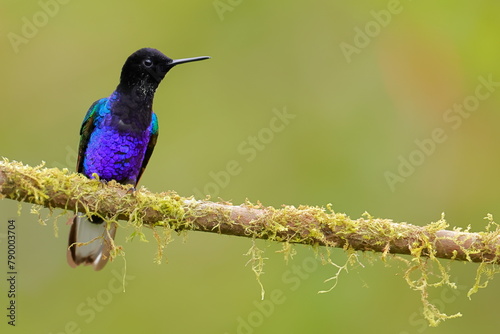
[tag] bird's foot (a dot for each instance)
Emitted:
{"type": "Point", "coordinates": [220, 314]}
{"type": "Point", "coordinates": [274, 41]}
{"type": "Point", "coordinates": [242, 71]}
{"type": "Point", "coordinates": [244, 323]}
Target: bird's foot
{"type": "Point", "coordinates": [131, 190]}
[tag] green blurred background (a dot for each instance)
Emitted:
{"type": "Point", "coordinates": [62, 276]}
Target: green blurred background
{"type": "Point", "coordinates": [356, 116]}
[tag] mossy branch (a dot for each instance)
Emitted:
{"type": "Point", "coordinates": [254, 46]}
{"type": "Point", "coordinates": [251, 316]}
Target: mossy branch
{"type": "Point", "coordinates": [54, 188]}
{"type": "Point", "coordinates": [316, 226]}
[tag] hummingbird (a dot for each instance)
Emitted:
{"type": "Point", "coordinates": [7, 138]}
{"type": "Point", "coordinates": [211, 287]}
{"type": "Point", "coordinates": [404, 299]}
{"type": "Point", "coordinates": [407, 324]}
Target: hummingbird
{"type": "Point", "coordinates": [117, 138]}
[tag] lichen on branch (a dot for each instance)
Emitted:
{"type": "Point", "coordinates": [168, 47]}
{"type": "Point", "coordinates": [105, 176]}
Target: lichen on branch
{"type": "Point", "coordinates": [310, 225]}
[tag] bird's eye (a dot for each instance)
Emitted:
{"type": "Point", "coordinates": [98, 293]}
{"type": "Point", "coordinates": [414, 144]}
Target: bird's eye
{"type": "Point", "coordinates": [148, 62]}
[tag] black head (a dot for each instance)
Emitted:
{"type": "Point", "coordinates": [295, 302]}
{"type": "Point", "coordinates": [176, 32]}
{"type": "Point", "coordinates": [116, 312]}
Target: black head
{"type": "Point", "coordinates": [145, 69]}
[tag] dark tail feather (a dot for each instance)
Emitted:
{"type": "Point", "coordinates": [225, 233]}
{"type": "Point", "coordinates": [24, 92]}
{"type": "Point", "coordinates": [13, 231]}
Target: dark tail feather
{"type": "Point", "coordinates": [96, 253]}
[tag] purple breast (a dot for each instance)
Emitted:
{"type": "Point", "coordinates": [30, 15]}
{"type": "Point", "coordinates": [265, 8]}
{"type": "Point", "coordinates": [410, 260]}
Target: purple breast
{"type": "Point", "coordinates": [115, 155]}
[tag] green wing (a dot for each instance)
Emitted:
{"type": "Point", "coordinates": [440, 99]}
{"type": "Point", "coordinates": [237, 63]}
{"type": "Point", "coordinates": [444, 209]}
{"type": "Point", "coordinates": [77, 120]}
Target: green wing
{"type": "Point", "coordinates": [86, 131]}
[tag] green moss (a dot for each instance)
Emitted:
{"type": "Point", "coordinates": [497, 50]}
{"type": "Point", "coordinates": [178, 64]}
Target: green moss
{"type": "Point", "coordinates": [257, 262]}
{"type": "Point", "coordinates": [488, 268]}
{"type": "Point", "coordinates": [304, 224]}
{"type": "Point", "coordinates": [352, 261]}
{"type": "Point", "coordinates": [287, 250]}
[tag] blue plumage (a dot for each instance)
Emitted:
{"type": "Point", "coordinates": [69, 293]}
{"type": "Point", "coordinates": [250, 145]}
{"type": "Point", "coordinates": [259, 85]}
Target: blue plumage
{"type": "Point", "coordinates": [114, 153]}
{"type": "Point", "coordinates": [117, 138]}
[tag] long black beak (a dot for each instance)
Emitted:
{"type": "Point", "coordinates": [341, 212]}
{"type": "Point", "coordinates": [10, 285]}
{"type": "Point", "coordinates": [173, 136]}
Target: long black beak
{"type": "Point", "coordinates": [186, 60]}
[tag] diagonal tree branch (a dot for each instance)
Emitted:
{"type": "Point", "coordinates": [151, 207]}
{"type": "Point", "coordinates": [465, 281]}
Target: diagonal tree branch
{"type": "Point", "coordinates": [54, 188]}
